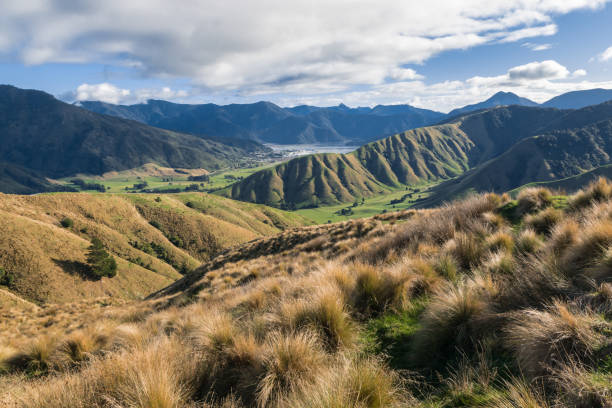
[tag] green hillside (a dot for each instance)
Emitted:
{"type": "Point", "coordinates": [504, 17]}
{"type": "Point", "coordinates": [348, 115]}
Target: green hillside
{"type": "Point", "coordinates": [55, 139]}
{"type": "Point", "coordinates": [492, 150]}
{"type": "Point", "coordinates": [414, 157]}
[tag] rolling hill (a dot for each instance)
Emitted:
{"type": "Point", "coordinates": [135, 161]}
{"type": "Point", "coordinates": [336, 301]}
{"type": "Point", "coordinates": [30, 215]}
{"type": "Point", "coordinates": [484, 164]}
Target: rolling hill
{"type": "Point", "coordinates": [416, 156]}
{"type": "Point", "coordinates": [485, 302]}
{"type": "Point", "coordinates": [496, 149]}
{"type": "Point", "coordinates": [154, 239]}
{"type": "Point", "coordinates": [267, 122]}
{"type": "Point", "coordinates": [55, 139]}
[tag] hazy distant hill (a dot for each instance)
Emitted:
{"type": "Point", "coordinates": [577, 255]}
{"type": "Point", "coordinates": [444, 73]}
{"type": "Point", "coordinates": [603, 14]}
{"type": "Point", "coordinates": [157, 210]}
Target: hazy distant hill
{"type": "Point", "coordinates": [499, 99]}
{"type": "Point", "coordinates": [55, 139]}
{"type": "Point", "coordinates": [579, 99]}
{"type": "Point", "coordinates": [267, 122]}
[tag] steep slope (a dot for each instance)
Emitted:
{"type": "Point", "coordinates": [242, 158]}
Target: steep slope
{"type": "Point", "coordinates": [19, 180]}
{"type": "Point", "coordinates": [55, 139]}
{"type": "Point", "coordinates": [308, 180]}
{"type": "Point", "coordinates": [415, 156]}
{"type": "Point", "coordinates": [555, 155]}
{"type": "Point", "coordinates": [579, 99]}
{"type": "Point", "coordinates": [485, 302]}
{"type": "Point", "coordinates": [153, 240]}
{"type": "Point", "coordinates": [267, 122]}
{"type": "Point", "coordinates": [499, 99]}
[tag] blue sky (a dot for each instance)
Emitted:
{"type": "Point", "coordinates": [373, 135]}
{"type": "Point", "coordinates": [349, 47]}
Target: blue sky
{"type": "Point", "coordinates": [438, 54]}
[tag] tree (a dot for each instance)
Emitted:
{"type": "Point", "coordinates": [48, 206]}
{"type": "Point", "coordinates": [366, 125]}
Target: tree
{"type": "Point", "coordinates": [67, 222]}
{"type": "Point", "coordinates": [100, 262]}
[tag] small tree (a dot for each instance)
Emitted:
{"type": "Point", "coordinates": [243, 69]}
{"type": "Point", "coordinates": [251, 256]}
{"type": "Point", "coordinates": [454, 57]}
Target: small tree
{"type": "Point", "coordinates": [67, 222]}
{"type": "Point", "coordinates": [101, 262]}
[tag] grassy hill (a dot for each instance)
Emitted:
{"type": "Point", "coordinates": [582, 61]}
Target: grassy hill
{"type": "Point", "coordinates": [485, 302]}
{"type": "Point", "coordinates": [413, 157]}
{"type": "Point", "coordinates": [154, 239]}
{"type": "Point", "coordinates": [491, 150]}
{"type": "Point", "coordinates": [54, 139]}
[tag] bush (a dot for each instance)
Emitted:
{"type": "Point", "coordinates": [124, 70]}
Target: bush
{"type": "Point", "coordinates": [67, 222]}
{"type": "Point", "coordinates": [6, 278]}
{"type": "Point", "coordinates": [101, 263]}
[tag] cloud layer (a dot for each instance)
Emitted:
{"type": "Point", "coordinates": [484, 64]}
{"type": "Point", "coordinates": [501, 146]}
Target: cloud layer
{"type": "Point", "coordinates": [302, 46]}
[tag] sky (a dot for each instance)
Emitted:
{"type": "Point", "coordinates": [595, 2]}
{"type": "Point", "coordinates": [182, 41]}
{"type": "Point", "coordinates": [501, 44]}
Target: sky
{"type": "Point", "coordinates": [435, 54]}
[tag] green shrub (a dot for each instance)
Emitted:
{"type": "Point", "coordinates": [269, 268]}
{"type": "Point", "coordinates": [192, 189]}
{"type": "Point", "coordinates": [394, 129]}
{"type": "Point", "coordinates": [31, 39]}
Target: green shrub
{"type": "Point", "coordinates": [6, 277]}
{"type": "Point", "coordinates": [101, 263]}
{"type": "Point", "coordinates": [67, 222]}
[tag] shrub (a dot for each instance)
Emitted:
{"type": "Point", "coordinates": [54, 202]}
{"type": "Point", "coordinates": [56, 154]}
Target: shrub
{"type": "Point", "coordinates": [101, 263]}
{"type": "Point", "coordinates": [6, 277]}
{"type": "Point", "coordinates": [532, 199]}
{"type": "Point", "coordinates": [67, 222]}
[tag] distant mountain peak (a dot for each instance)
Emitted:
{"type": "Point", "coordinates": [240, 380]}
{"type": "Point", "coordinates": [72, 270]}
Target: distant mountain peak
{"type": "Point", "coordinates": [501, 98]}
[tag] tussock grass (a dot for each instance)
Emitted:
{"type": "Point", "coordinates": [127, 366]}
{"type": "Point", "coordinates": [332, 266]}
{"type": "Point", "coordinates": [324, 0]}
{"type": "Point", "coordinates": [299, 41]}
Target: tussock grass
{"type": "Point", "coordinates": [533, 199]}
{"type": "Point", "coordinates": [543, 339]}
{"type": "Point", "coordinates": [325, 313]}
{"type": "Point", "coordinates": [544, 221]}
{"type": "Point", "coordinates": [451, 319]}
{"type": "Point", "coordinates": [293, 362]}
{"type": "Point", "coordinates": [599, 191]}
{"type": "Point", "coordinates": [449, 307]}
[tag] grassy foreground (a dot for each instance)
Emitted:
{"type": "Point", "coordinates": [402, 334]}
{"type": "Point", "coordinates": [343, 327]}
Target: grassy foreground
{"type": "Point", "coordinates": [486, 302]}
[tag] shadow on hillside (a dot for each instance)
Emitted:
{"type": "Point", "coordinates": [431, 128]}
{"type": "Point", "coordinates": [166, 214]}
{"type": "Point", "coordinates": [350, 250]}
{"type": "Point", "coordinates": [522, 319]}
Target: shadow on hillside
{"type": "Point", "coordinates": [76, 268]}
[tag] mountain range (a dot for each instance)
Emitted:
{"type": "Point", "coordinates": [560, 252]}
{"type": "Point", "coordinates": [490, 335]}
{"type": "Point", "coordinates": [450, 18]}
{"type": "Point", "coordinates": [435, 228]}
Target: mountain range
{"type": "Point", "coordinates": [268, 123]}
{"type": "Point", "coordinates": [43, 137]}
{"type": "Point", "coordinates": [496, 149]}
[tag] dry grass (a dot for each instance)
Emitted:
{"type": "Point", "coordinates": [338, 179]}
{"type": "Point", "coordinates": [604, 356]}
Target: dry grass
{"type": "Point", "coordinates": [543, 339]}
{"type": "Point", "coordinates": [449, 307]}
{"type": "Point", "coordinates": [533, 199]}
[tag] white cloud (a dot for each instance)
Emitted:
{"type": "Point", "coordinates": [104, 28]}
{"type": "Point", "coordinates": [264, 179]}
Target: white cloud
{"type": "Point", "coordinates": [537, 81]}
{"type": "Point", "coordinates": [104, 92]}
{"type": "Point", "coordinates": [537, 47]}
{"type": "Point", "coordinates": [403, 74]}
{"type": "Point", "coordinates": [109, 93]}
{"type": "Point", "coordinates": [606, 55]}
{"type": "Point", "coordinates": [538, 70]}
{"type": "Point", "coordinates": [269, 45]}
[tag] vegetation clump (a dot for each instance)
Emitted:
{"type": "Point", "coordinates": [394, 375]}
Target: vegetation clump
{"type": "Point", "coordinates": [101, 263]}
